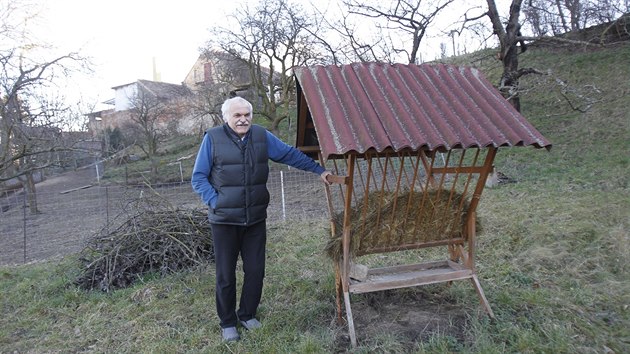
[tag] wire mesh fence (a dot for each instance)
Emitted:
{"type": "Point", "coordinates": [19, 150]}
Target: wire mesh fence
{"type": "Point", "coordinates": [69, 214]}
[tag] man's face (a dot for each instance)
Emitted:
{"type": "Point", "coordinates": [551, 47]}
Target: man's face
{"type": "Point", "coordinates": [240, 119]}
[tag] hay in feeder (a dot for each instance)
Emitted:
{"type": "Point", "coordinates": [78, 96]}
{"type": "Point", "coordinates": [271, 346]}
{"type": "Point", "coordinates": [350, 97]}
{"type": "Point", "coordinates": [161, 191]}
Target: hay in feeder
{"type": "Point", "coordinates": [388, 221]}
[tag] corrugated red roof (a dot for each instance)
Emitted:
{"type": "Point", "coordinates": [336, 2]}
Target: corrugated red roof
{"type": "Point", "coordinates": [362, 106]}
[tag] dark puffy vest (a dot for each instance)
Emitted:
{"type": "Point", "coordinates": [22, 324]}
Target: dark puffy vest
{"type": "Point", "coordinates": [239, 175]}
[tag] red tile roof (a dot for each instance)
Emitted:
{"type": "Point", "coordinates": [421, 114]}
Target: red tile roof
{"type": "Point", "coordinates": [362, 106]}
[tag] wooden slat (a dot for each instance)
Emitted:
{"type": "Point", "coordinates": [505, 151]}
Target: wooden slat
{"type": "Point", "coordinates": [411, 246]}
{"type": "Point", "coordinates": [407, 268]}
{"type": "Point", "coordinates": [302, 114]}
{"type": "Point", "coordinates": [460, 169]}
{"type": "Point", "coordinates": [409, 275]}
{"type": "Point", "coordinates": [308, 149]}
{"type": "Point", "coordinates": [76, 189]}
{"type": "Point", "coordinates": [338, 179]}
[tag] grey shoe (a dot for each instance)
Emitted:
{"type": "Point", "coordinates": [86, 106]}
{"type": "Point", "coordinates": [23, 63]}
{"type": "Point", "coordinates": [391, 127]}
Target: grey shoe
{"type": "Point", "coordinates": [251, 324]}
{"type": "Point", "coordinates": [230, 334]}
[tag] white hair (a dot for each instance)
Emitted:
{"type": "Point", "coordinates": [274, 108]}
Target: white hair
{"type": "Point", "coordinates": [227, 106]}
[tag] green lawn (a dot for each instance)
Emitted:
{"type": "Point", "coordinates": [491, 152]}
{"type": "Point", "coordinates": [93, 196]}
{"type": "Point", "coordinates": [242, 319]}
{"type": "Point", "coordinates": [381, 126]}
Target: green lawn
{"type": "Point", "coordinates": [552, 257]}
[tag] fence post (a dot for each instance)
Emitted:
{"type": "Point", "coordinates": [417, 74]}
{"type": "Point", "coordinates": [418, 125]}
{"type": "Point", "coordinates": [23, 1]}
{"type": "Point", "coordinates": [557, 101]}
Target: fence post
{"type": "Point", "coordinates": [98, 175]}
{"type": "Point", "coordinates": [24, 226]}
{"type": "Point", "coordinates": [284, 213]}
{"type": "Point", "coordinates": [107, 208]}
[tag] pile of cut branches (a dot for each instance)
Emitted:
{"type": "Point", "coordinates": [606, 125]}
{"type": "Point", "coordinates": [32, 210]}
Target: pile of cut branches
{"type": "Point", "coordinates": [152, 237]}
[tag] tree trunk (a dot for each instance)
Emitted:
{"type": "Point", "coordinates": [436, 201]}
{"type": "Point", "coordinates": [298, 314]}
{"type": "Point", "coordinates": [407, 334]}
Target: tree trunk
{"type": "Point", "coordinates": [509, 79]}
{"type": "Point", "coordinates": [565, 27]}
{"type": "Point", "coordinates": [275, 126]}
{"type": "Point", "coordinates": [508, 39]}
{"type": "Point", "coordinates": [28, 182]}
{"type": "Point", "coordinates": [154, 170]}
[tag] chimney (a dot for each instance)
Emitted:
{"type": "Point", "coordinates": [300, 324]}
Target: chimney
{"type": "Point", "coordinates": [156, 75]}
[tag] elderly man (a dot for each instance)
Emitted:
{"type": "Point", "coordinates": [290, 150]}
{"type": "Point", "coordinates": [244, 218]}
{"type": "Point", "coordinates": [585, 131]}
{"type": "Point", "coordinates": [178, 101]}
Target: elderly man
{"type": "Point", "coordinates": [230, 176]}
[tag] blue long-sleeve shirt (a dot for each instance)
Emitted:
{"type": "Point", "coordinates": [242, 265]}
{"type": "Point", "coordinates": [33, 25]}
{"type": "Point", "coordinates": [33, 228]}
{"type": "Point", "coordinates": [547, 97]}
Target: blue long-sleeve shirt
{"type": "Point", "coordinates": [277, 150]}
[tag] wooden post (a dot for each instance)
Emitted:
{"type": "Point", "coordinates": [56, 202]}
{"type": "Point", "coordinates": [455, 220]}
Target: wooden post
{"type": "Point", "coordinates": [347, 224]}
{"type": "Point", "coordinates": [346, 249]}
{"type": "Point", "coordinates": [487, 167]}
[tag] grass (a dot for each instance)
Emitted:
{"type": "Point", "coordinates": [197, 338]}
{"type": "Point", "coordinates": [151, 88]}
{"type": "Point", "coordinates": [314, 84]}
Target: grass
{"type": "Point", "coordinates": [43, 312]}
{"type": "Point", "coordinates": [169, 153]}
{"type": "Point", "coordinates": [552, 258]}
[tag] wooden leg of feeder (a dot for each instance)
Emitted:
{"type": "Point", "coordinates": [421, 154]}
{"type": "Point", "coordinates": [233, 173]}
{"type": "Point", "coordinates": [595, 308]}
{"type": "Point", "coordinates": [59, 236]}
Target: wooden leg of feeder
{"type": "Point", "coordinates": [482, 297]}
{"type": "Point", "coordinates": [452, 251]}
{"type": "Point", "coordinates": [338, 292]}
{"type": "Point", "coordinates": [464, 256]}
{"type": "Point", "coordinates": [353, 335]}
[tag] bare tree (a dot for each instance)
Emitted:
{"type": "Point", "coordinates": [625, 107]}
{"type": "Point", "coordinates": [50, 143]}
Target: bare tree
{"type": "Point", "coordinates": [147, 125]}
{"type": "Point", "coordinates": [405, 22]}
{"type": "Point", "coordinates": [272, 38]}
{"type": "Point", "coordinates": [509, 37]}
{"type": "Point", "coordinates": [512, 42]}
{"type": "Point", "coordinates": [555, 17]}
{"type": "Point", "coordinates": [442, 50]}
{"type": "Point", "coordinates": [539, 17]}
{"type": "Point", "coordinates": [349, 41]}
{"type": "Point", "coordinates": [341, 38]}
{"type": "Point", "coordinates": [207, 104]}
{"type": "Point", "coordinates": [603, 11]}
{"type": "Point", "coordinates": [30, 114]}
{"type": "Point", "coordinates": [507, 31]}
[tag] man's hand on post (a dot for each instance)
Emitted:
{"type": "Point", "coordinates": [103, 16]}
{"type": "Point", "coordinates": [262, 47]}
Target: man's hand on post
{"type": "Point", "coordinates": [324, 175]}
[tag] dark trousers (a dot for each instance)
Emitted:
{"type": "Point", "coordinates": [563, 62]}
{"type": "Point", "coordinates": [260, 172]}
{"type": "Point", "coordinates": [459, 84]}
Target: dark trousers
{"type": "Point", "coordinates": [229, 242]}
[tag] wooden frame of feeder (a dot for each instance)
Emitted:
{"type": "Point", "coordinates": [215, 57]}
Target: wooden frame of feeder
{"type": "Point", "coordinates": [398, 135]}
{"type": "Point", "coordinates": [460, 265]}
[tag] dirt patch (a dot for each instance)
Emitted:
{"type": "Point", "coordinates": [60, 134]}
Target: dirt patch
{"type": "Point", "coordinates": [410, 315]}
{"type": "Point", "coordinates": [68, 181]}
{"type": "Point", "coordinates": [68, 212]}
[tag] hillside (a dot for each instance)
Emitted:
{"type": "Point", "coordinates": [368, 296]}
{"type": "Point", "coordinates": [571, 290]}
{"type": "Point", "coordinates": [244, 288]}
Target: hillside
{"type": "Point", "coordinates": [552, 256]}
{"type": "Point", "coordinates": [563, 228]}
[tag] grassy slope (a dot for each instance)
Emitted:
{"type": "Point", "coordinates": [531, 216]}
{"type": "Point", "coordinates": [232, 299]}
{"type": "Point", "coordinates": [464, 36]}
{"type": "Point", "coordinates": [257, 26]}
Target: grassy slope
{"type": "Point", "coordinates": [558, 240]}
{"type": "Point", "coordinates": [552, 257]}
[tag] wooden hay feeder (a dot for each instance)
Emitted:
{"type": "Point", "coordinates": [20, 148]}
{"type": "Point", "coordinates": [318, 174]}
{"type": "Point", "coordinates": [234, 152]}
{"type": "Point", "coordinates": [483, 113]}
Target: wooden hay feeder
{"type": "Point", "coordinates": [413, 146]}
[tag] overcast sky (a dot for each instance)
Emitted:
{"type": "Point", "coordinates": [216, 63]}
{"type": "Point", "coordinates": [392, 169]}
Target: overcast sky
{"type": "Point", "coordinates": [123, 36]}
